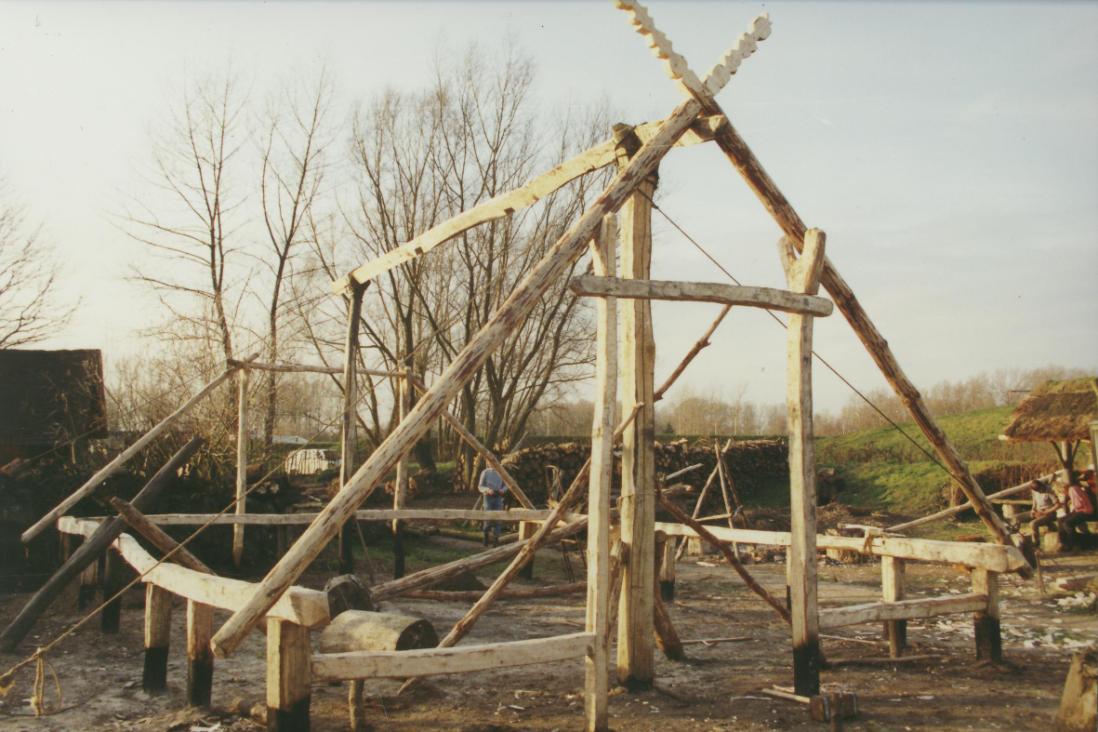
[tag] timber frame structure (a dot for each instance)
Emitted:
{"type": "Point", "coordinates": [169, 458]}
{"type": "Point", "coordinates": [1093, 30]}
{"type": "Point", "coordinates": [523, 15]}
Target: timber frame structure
{"type": "Point", "coordinates": [616, 231]}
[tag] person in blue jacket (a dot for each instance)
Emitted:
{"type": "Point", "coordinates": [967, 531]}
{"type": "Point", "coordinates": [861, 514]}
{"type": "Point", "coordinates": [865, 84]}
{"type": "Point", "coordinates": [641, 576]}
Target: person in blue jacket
{"type": "Point", "coordinates": [493, 489]}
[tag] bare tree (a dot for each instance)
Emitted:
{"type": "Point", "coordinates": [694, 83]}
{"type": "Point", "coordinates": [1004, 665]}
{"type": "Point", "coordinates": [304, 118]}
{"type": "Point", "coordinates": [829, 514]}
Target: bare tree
{"type": "Point", "coordinates": [29, 309]}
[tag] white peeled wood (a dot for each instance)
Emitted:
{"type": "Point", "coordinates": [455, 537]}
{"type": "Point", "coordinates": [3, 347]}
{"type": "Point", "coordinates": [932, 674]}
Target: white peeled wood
{"type": "Point", "coordinates": [526, 294]}
{"type": "Point", "coordinates": [456, 660]}
{"type": "Point", "coordinates": [994, 557]}
{"type": "Point", "coordinates": [240, 506]}
{"type": "Point", "coordinates": [299, 605]}
{"type": "Point", "coordinates": [875, 612]}
{"type": "Point", "coordinates": [371, 514]}
{"type": "Point", "coordinates": [122, 458]}
{"type": "Point", "coordinates": [760, 297]}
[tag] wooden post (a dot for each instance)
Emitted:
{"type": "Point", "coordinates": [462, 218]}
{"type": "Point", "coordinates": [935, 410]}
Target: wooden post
{"type": "Point", "coordinates": [636, 648]}
{"type": "Point", "coordinates": [400, 487]}
{"type": "Point", "coordinates": [348, 432]}
{"type": "Point", "coordinates": [158, 618]}
{"type": "Point", "coordinates": [667, 569]}
{"type": "Point", "coordinates": [525, 295]}
{"type": "Point", "coordinates": [803, 275]}
{"type": "Point", "coordinates": [526, 530]}
{"type": "Point", "coordinates": [892, 590]}
{"type": "Point", "coordinates": [200, 662]}
{"type": "Point", "coordinates": [288, 676]}
{"type": "Point", "coordinates": [989, 642]}
{"type": "Point", "coordinates": [89, 580]}
{"type": "Point", "coordinates": [241, 465]}
{"type": "Point", "coordinates": [596, 666]}
{"type": "Point", "coordinates": [110, 618]}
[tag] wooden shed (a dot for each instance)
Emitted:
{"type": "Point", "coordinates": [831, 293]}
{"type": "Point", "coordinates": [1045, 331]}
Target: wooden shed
{"type": "Point", "coordinates": [49, 398]}
{"type": "Point", "coordinates": [1059, 412]}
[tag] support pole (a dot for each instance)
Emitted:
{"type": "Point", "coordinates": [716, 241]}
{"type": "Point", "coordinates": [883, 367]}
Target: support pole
{"type": "Point", "coordinates": [892, 590]}
{"type": "Point", "coordinates": [596, 668]}
{"type": "Point", "coordinates": [110, 617]}
{"type": "Point", "coordinates": [667, 569]}
{"type": "Point", "coordinates": [240, 506]}
{"type": "Point", "coordinates": [803, 275]}
{"type": "Point", "coordinates": [348, 434]}
{"type": "Point", "coordinates": [989, 641]}
{"type": "Point", "coordinates": [158, 629]}
{"type": "Point", "coordinates": [200, 661]}
{"type": "Point", "coordinates": [288, 676]}
{"type": "Point", "coordinates": [636, 647]}
{"type": "Point", "coordinates": [400, 486]}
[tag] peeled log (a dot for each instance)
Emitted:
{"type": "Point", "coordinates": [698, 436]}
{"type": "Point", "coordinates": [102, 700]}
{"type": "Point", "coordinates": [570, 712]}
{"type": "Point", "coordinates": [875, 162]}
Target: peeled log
{"type": "Point", "coordinates": [360, 630]}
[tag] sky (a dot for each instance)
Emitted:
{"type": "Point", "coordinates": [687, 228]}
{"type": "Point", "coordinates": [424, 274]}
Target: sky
{"type": "Point", "coordinates": [949, 150]}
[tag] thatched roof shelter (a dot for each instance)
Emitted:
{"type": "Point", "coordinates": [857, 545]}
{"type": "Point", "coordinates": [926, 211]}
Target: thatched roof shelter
{"type": "Point", "coordinates": [50, 397]}
{"type": "Point", "coordinates": [1055, 411]}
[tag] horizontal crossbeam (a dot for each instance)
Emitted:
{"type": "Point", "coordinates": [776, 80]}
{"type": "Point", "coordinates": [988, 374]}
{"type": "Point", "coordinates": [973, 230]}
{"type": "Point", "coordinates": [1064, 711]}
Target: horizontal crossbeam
{"type": "Point", "coordinates": [876, 612]}
{"type": "Point", "coordinates": [759, 297]}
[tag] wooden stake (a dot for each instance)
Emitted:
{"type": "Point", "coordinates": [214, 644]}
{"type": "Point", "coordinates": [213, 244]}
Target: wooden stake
{"type": "Point", "coordinates": [636, 651]}
{"type": "Point", "coordinates": [989, 641]}
{"type": "Point", "coordinates": [667, 569]}
{"type": "Point", "coordinates": [347, 434]}
{"type": "Point", "coordinates": [288, 677]}
{"type": "Point", "coordinates": [158, 619]}
{"type": "Point", "coordinates": [200, 661]}
{"type": "Point", "coordinates": [110, 617]}
{"type": "Point", "coordinates": [240, 506]}
{"type": "Point", "coordinates": [666, 637]}
{"type": "Point", "coordinates": [596, 684]}
{"type": "Point", "coordinates": [803, 275]}
{"type": "Point", "coordinates": [400, 485]}
{"type": "Point", "coordinates": [892, 586]}
{"type": "Point", "coordinates": [502, 323]}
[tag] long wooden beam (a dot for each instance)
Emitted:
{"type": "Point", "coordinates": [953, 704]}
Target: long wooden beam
{"type": "Point", "coordinates": [298, 605]}
{"type": "Point", "coordinates": [157, 536]}
{"type": "Point", "coordinates": [946, 513]}
{"type": "Point", "coordinates": [123, 457]}
{"type": "Point", "coordinates": [507, 317]}
{"type": "Point", "coordinates": [459, 660]}
{"type": "Point", "coordinates": [510, 515]}
{"type": "Point", "coordinates": [993, 557]}
{"type": "Point", "coordinates": [506, 204]}
{"type": "Point", "coordinates": [877, 612]}
{"type": "Point", "coordinates": [744, 160]}
{"type": "Point", "coordinates": [760, 297]}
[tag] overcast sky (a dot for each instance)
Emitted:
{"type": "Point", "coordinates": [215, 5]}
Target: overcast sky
{"type": "Point", "coordinates": [950, 151]}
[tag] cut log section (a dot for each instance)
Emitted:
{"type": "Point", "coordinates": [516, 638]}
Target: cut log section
{"type": "Point", "coordinates": [360, 630]}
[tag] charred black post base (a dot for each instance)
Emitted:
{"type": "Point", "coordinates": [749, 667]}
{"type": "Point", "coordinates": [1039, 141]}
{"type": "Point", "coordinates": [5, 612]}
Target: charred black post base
{"type": "Point", "coordinates": [989, 641]}
{"type": "Point", "coordinates": [634, 685]}
{"type": "Point", "coordinates": [895, 632]}
{"type": "Point", "coordinates": [111, 616]}
{"type": "Point", "coordinates": [200, 673]}
{"type": "Point", "coordinates": [398, 550]}
{"type": "Point", "coordinates": [154, 679]}
{"type": "Point", "coordinates": [527, 571]}
{"type": "Point", "coordinates": [807, 661]}
{"type": "Point", "coordinates": [294, 719]}
{"type": "Point", "coordinates": [667, 590]}
{"type": "Point", "coordinates": [346, 549]}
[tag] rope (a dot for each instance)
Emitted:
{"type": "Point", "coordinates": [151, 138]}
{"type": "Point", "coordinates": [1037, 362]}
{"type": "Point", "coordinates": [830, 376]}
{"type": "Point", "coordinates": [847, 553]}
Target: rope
{"type": "Point", "coordinates": [7, 679]}
{"type": "Point", "coordinates": [818, 357]}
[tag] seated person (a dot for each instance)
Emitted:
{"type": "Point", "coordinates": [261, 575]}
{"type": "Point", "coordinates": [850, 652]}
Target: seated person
{"type": "Point", "coordinates": [1045, 503]}
{"type": "Point", "coordinates": [1080, 510]}
{"type": "Point", "coordinates": [492, 487]}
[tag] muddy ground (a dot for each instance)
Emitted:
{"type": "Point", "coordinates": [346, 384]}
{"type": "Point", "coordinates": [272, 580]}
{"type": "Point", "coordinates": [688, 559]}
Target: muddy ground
{"type": "Point", "coordinates": [717, 688]}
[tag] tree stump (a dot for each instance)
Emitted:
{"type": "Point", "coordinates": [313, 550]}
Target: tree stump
{"type": "Point", "coordinates": [1079, 703]}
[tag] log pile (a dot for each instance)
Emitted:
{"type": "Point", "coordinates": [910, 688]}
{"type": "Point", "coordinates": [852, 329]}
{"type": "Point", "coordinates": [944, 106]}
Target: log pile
{"type": "Point", "coordinates": [756, 465]}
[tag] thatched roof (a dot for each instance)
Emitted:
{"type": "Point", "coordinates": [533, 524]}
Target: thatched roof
{"type": "Point", "coordinates": [1056, 410]}
{"type": "Point", "coordinates": [49, 397]}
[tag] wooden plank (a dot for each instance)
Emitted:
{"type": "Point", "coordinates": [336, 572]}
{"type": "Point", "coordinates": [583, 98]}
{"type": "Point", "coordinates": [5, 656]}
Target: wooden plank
{"type": "Point", "coordinates": [511, 515]}
{"type": "Point", "coordinates": [157, 537]}
{"type": "Point", "coordinates": [994, 557]}
{"type": "Point", "coordinates": [989, 641]}
{"type": "Point", "coordinates": [768, 298]}
{"type": "Point", "coordinates": [289, 675]}
{"type": "Point", "coordinates": [158, 629]}
{"type": "Point", "coordinates": [506, 204]}
{"type": "Point", "coordinates": [877, 612]}
{"type": "Point", "coordinates": [457, 660]}
{"type": "Point", "coordinates": [636, 643]}
{"type": "Point", "coordinates": [122, 458]}
{"type": "Point", "coordinates": [298, 605]}
{"type": "Point", "coordinates": [802, 275]}
{"type": "Point", "coordinates": [200, 661]}
{"type": "Point", "coordinates": [98, 538]}
{"type": "Point", "coordinates": [597, 619]}
{"type": "Point", "coordinates": [892, 590]}
{"type": "Point", "coordinates": [240, 507]}
{"type": "Point", "coordinates": [526, 294]}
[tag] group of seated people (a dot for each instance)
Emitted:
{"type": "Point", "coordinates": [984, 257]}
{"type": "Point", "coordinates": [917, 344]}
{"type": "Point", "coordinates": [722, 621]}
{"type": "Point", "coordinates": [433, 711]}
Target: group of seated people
{"type": "Point", "coordinates": [1068, 512]}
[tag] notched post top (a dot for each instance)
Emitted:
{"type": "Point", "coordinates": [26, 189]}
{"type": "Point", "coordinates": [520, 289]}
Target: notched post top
{"type": "Point", "coordinates": [803, 272]}
{"type": "Point", "coordinates": [676, 65]}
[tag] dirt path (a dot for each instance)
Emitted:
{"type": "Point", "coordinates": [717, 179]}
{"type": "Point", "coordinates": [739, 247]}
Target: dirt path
{"type": "Point", "coordinates": [716, 689]}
